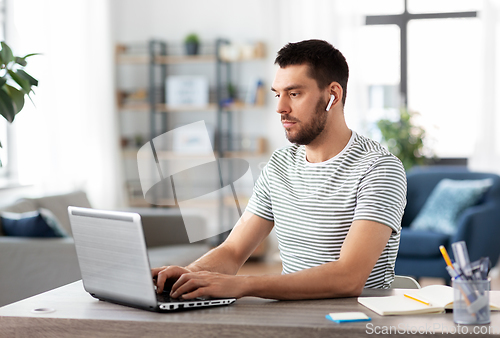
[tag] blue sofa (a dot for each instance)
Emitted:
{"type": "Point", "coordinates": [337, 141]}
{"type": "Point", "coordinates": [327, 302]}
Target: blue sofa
{"type": "Point", "coordinates": [478, 226]}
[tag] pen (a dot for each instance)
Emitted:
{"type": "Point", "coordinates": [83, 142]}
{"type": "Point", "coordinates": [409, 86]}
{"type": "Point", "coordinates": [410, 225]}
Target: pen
{"type": "Point", "coordinates": [418, 300]}
{"type": "Point", "coordinates": [462, 258]}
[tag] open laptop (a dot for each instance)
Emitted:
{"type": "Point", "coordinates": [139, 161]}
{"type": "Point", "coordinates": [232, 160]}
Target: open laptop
{"type": "Point", "coordinates": [114, 262]}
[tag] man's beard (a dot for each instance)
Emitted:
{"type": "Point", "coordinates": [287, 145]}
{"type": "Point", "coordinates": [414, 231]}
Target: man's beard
{"type": "Point", "coordinates": [309, 132]}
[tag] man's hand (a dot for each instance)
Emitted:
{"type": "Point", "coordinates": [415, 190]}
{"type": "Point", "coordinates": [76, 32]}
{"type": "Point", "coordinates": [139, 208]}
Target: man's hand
{"type": "Point", "coordinates": [167, 276]}
{"type": "Point", "coordinates": [208, 284]}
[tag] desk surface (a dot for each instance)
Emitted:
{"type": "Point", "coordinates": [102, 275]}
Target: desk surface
{"type": "Point", "coordinates": [78, 314]}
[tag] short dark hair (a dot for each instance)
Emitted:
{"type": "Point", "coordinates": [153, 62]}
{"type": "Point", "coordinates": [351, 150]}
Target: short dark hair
{"type": "Point", "coordinates": [326, 63]}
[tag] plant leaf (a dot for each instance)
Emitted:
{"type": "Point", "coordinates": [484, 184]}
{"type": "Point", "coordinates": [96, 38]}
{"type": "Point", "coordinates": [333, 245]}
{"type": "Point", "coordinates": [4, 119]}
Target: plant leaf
{"type": "Point", "coordinates": [32, 81]}
{"type": "Point", "coordinates": [29, 97]}
{"type": "Point", "coordinates": [6, 53]}
{"type": "Point", "coordinates": [6, 106]}
{"type": "Point", "coordinates": [31, 54]}
{"type": "Point", "coordinates": [3, 80]}
{"type": "Point", "coordinates": [21, 61]}
{"type": "Point", "coordinates": [23, 83]}
{"type": "Point", "coordinates": [17, 97]}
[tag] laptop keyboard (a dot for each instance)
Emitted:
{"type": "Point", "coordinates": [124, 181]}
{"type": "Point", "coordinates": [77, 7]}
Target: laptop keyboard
{"type": "Point", "coordinates": [164, 297]}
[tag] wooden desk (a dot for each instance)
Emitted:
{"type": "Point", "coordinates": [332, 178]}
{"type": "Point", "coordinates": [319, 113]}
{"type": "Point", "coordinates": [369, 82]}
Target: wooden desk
{"type": "Point", "coordinates": [77, 314]}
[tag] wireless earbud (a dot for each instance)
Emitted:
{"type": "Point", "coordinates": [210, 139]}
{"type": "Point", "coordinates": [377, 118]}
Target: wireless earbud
{"type": "Point", "coordinates": [332, 98]}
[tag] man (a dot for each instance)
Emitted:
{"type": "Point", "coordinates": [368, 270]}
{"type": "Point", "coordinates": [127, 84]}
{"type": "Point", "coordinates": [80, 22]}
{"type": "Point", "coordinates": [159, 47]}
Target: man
{"type": "Point", "coordinates": [335, 198]}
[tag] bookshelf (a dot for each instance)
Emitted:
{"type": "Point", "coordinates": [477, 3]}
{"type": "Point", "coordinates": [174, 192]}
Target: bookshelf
{"type": "Point", "coordinates": [144, 108]}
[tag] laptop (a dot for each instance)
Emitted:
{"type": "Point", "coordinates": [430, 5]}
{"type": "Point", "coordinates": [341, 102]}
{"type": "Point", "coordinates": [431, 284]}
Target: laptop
{"type": "Point", "coordinates": [114, 262]}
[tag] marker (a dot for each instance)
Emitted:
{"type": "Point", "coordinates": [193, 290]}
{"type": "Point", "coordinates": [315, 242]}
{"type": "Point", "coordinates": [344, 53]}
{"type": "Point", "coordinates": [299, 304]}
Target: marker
{"type": "Point", "coordinates": [418, 300]}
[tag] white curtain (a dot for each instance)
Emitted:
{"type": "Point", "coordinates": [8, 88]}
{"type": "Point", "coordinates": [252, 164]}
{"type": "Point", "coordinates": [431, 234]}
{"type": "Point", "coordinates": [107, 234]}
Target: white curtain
{"type": "Point", "coordinates": [69, 139]}
{"type": "Point", "coordinates": [486, 156]}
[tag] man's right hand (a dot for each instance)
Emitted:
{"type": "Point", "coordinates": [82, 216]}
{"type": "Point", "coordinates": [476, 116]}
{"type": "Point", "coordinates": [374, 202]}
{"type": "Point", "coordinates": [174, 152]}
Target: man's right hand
{"type": "Point", "coordinates": [166, 276]}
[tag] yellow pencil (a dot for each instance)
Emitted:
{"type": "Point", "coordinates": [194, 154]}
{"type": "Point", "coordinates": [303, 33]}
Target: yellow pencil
{"type": "Point", "coordinates": [418, 300]}
{"type": "Point", "coordinates": [445, 256]}
{"type": "Point", "coordinates": [448, 262]}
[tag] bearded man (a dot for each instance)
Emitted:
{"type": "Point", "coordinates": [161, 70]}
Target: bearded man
{"type": "Point", "coordinates": [334, 197]}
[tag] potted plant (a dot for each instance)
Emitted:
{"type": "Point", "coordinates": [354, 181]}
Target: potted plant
{"type": "Point", "coordinates": [404, 139]}
{"type": "Point", "coordinates": [192, 42]}
{"type": "Point", "coordinates": [15, 83]}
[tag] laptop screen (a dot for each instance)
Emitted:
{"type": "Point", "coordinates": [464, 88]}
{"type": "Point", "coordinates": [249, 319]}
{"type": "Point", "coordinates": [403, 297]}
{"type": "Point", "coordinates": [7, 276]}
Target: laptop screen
{"type": "Point", "coordinates": [112, 255]}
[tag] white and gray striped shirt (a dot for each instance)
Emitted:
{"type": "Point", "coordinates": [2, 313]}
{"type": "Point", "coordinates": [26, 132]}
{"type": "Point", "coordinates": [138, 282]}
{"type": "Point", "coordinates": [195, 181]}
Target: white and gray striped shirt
{"type": "Point", "coordinates": [314, 204]}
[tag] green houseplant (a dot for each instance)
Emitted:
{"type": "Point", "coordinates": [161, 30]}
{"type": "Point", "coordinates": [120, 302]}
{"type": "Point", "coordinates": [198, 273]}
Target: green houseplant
{"type": "Point", "coordinates": [403, 138]}
{"type": "Point", "coordinates": [15, 83]}
{"type": "Point", "coordinates": [192, 42]}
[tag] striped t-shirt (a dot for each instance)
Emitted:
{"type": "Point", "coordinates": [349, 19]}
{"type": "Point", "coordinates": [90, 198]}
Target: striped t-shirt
{"type": "Point", "coordinates": [314, 204]}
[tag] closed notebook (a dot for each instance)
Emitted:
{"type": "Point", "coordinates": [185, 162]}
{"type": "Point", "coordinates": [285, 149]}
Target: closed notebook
{"type": "Point", "coordinates": [439, 297]}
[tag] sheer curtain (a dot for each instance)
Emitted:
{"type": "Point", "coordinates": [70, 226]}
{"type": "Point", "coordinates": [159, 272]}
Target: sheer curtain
{"type": "Point", "coordinates": [486, 156]}
{"type": "Point", "coordinates": [68, 140]}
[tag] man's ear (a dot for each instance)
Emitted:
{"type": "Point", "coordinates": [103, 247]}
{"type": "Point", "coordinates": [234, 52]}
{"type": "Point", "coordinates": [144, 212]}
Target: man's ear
{"type": "Point", "coordinates": [336, 90]}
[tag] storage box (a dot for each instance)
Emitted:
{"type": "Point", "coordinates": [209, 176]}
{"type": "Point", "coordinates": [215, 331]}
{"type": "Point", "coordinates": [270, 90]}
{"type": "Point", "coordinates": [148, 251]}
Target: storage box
{"type": "Point", "coordinates": [187, 91]}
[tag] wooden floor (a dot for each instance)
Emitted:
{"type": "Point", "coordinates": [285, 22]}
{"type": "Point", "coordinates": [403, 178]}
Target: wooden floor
{"type": "Point", "coordinates": [264, 268]}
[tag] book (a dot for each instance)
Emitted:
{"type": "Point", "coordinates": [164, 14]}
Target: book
{"type": "Point", "coordinates": [430, 299]}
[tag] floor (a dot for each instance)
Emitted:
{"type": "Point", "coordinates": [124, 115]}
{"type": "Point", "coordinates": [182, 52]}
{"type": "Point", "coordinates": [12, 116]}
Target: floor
{"type": "Point", "coordinates": [264, 268]}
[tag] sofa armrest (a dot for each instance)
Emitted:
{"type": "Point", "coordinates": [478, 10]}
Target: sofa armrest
{"type": "Point", "coordinates": [479, 227]}
{"type": "Point", "coordinates": [29, 266]}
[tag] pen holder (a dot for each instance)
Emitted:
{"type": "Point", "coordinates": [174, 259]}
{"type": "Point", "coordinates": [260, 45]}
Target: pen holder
{"type": "Point", "coordinates": [471, 301]}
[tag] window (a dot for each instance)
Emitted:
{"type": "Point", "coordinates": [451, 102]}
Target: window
{"type": "Point", "coordinates": [380, 73]}
{"type": "Point", "coordinates": [445, 81]}
{"type": "Point", "coordinates": [444, 52]}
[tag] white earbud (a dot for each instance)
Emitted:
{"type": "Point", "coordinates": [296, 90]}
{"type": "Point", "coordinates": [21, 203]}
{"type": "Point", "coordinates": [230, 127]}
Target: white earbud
{"type": "Point", "coordinates": [332, 98]}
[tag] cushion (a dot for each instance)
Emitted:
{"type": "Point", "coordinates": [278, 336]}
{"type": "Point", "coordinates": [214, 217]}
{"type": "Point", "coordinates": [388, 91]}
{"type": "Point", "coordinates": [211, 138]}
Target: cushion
{"type": "Point", "coordinates": [20, 206]}
{"type": "Point", "coordinates": [446, 202]}
{"type": "Point", "coordinates": [53, 222]}
{"type": "Point", "coordinates": [58, 204]}
{"type": "Point", "coordinates": [418, 243]}
{"type": "Point", "coordinates": [41, 223]}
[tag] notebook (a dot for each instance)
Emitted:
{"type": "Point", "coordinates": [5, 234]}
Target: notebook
{"type": "Point", "coordinates": [114, 263]}
{"type": "Point", "coordinates": [439, 298]}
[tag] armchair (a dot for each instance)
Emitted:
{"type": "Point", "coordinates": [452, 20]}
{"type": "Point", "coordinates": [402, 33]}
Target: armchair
{"type": "Point", "coordinates": [478, 226]}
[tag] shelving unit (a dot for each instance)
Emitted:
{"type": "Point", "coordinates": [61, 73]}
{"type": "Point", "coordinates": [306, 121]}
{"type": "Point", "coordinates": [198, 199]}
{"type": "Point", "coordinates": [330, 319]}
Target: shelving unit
{"type": "Point", "coordinates": [150, 103]}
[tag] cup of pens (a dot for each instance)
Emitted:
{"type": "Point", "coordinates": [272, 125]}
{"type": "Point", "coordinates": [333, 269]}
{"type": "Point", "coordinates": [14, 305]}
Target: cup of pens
{"type": "Point", "coordinates": [471, 286]}
{"type": "Point", "coordinates": [471, 301]}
